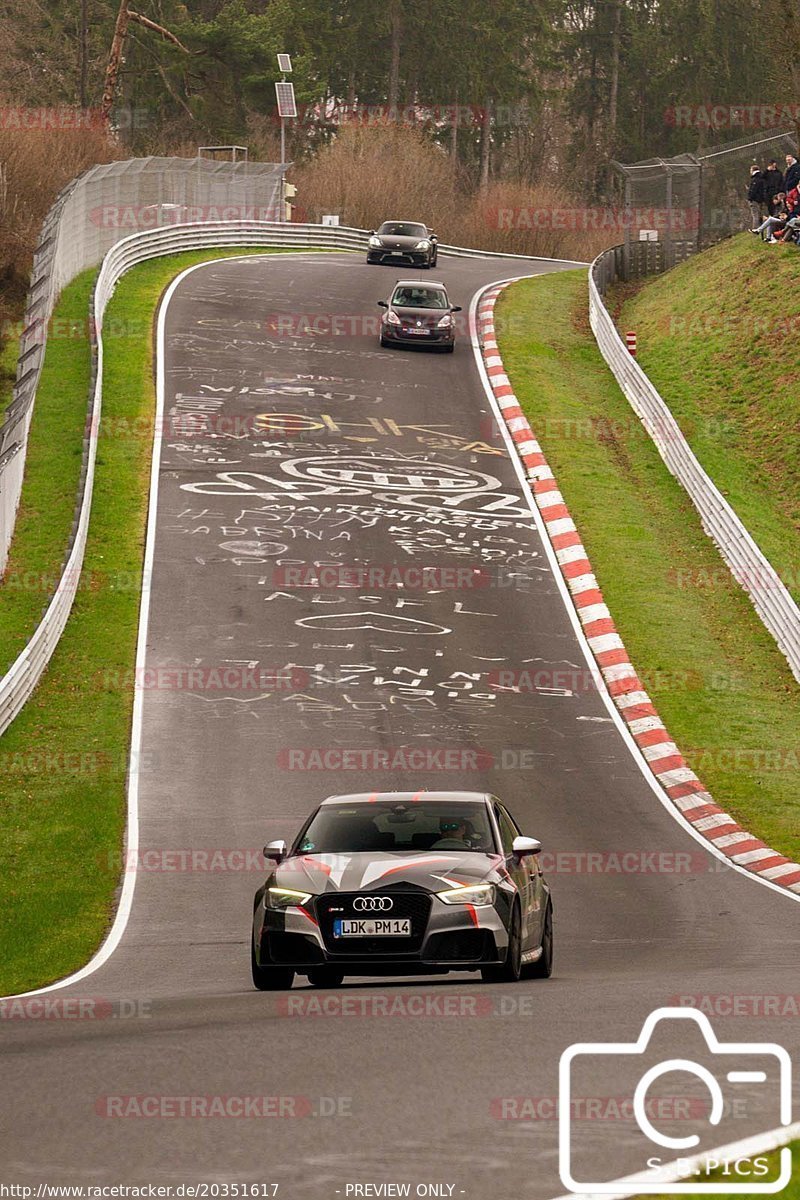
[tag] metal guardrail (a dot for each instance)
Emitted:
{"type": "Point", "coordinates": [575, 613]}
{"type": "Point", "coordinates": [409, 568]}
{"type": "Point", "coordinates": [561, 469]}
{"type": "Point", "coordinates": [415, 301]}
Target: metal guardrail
{"type": "Point", "coordinates": [105, 205]}
{"type": "Point", "coordinates": [747, 564]}
{"type": "Point", "coordinates": [101, 207]}
{"type": "Point", "coordinates": [18, 684]}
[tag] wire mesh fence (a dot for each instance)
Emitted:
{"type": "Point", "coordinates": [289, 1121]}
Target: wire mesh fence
{"type": "Point", "coordinates": [690, 201]}
{"type": "Point", "coordinates": [96, 210]}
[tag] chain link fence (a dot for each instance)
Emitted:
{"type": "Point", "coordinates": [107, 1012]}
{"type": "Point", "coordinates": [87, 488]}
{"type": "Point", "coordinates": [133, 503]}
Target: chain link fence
{"type": "Point", "coordinates": [96, 210]}
{"type": "Point", "coordinates": [690, 201]}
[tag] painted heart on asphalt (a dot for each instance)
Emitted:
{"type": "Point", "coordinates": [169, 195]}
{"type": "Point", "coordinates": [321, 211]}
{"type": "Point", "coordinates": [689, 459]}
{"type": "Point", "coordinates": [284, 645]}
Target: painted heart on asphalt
{"type": "Point", "coordinates": [382, 623]}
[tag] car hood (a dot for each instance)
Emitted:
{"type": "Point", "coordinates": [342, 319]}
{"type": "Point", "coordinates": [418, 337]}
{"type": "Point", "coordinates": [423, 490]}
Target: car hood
{"type": "Point", "coordinates": [428, 316]}
{"type": "Point", "coordinates": [374, 871]}
{"type": "Point", "coordinates": [393, 241]}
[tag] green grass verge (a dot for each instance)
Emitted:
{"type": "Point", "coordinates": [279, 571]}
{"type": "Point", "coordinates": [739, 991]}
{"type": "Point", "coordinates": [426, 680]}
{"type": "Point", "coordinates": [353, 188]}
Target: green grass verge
{"type": "Point", "coordinates": [720, 338]}
{"type": "Point", "coordinates": [790, 1192]}
{"type": "Point", "coordinates": [63, 762]}
{"type": "Point", "coordinates": [9, 350]}
{"type": "Point", "coordinates": [52, 470]}
{"type": "Point", "coordinates": [720, 683]}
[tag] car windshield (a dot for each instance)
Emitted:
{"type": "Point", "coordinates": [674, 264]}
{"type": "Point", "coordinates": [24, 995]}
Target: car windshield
{"type": "Point", "coordinates": [416, 826]}
{"type": "Point", "coordinates": [419, 297]}
{"type": "Point", "coordinates": [402, 229]}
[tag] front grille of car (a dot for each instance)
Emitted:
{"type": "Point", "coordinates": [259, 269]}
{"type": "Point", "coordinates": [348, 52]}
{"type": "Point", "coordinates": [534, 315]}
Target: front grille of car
{"type": "Point", "coordinates": [432, 325]}
{"type": "Point", "coordinates": [415, 905]}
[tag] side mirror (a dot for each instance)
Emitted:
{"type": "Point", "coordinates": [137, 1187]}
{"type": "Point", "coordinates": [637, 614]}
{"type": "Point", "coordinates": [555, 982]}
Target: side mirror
{"type": "Point", "coordinates": [456, 308]}
{"type": "Point", "coordinates": [275, 851]}
{"type": "Point", "coordinates": [523, 847]}
{"type": "Point", "coordinates": [383, 304]}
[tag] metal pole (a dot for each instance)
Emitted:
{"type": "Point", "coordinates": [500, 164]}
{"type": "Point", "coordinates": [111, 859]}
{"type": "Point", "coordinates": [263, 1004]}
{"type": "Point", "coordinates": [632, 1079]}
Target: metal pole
{"type": "Point", "coordinates": [626, 254]}
{"type": "Point", "coordinates": [669, 248]}
{"type": "Point", "coordinates": [701, 215]}
{"type": "Point", "coordinates": [282, 213]}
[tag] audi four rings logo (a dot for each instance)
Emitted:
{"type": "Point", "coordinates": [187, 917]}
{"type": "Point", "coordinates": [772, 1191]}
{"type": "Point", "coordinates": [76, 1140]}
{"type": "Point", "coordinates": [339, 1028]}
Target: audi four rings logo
{"type": "Point", "coordinates": [373, 903]}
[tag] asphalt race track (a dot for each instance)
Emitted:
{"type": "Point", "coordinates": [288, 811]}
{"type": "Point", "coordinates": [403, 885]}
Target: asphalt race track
{"type": "Point", "coordinates": [327, 449]}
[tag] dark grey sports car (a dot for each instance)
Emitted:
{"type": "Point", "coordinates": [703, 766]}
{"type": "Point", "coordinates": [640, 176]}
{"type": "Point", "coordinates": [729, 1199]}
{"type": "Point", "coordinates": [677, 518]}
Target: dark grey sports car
{"type": "Point", "coordinates": [403, 883]}
{"type": "Point", "coordinates": [419, 314]}
{"type": "Point", "coordinates": [403, 242]}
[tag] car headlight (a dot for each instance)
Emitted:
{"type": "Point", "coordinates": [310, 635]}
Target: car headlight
{"type": "Point", "coordinates": [445, 322]}
{"type": "Point", "coordinates": [278, 897]}
{"type": "Point", "coordinates": [392, 318]}
{"type": "Point", "coordinates": [423, 245]}
{"type": "Point", "coordinates": [479, 895]}
{"type": "Point", "coordinates": [376, 242]}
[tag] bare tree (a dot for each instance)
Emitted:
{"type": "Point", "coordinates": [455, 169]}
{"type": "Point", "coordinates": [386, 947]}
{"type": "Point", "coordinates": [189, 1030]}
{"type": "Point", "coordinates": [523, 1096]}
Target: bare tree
{"type": "Point", "coordinates": [124, 17]}
{"type": "Point", "coordinates": [84, 54]}
{"type": "Point", "coordinates": [396, 19]}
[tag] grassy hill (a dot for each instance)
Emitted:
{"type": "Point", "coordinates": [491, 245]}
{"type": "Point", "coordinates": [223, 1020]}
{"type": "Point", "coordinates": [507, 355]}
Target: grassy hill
{"type": "Point", "coordinates": [719, 681]}
{"type": "Point", "coordinates": [720, 338]}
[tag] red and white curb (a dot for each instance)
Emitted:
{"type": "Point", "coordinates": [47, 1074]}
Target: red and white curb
{"type": "Point", "coordinates": [664, 759]}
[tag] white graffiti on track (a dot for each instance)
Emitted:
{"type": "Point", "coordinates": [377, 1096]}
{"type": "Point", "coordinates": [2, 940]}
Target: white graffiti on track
{"type": "Point", "coordinates": [379, 622]}
{"type": "Point", "coordinates": [394, 474]}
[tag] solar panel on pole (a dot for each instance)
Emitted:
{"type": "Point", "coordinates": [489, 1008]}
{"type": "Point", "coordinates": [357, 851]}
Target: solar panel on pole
{"type": "Point", "coordinates": [285, 63]}
{"type": "Point", "coordinates": [286, 102]}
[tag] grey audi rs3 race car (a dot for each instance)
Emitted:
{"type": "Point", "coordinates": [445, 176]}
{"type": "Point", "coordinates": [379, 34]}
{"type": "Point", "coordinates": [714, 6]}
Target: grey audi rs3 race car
{"type": "Point", "coordinates": [403, 883]}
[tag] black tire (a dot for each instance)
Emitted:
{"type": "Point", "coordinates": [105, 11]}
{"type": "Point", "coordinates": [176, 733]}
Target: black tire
{"type": "Point", "coordinates": [543, 967]}
{"type": "Point", "coordinates": [383, 341]}
{"type": "Point", "coordinates": [325, 977]}
{"type": "Point", "coordinates": [449, 349]}
{"type": "Point", "coordinates": [269, 978]}
{"type": "Point", "coordinates": [511, 970]}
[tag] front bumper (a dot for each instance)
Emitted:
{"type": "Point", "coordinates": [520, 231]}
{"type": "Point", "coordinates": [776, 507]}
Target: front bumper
{"type": "Point", "coordinates": [434, 337]}
{"type": "Point", "coordinates": [407, 258]}
{"type": "Point", "coordinates": [450, 937]}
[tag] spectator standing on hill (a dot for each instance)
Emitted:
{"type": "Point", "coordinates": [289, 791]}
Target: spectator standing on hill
{"type": "Point", "coordinates": [773, 183]}
{"type": "Point", "coordinates": [792, 176]}
{"type": "Point", "coordinates": [756, 197]}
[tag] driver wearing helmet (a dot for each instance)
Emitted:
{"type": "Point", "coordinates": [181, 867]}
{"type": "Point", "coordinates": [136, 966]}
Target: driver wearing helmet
{"type": "Point", "coordinates": [454, 833]}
